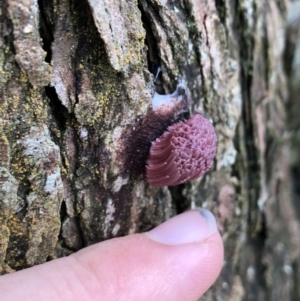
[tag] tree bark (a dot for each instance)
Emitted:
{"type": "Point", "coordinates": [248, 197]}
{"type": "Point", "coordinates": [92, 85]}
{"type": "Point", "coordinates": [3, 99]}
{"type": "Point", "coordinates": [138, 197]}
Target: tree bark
{"type": "Point", "coordinates": [76, 75]}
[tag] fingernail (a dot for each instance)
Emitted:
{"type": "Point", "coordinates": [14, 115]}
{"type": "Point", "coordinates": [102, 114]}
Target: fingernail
{"type": "Point", "coordinates": [191, 226]}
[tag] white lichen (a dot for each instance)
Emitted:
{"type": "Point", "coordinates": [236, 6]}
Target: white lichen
{"type": "Point", "coordinates": [109, 216]}
{"type": "Point", "coordinates": [169, 100]}
{"type": "Point", "coordinates": [119, 182]}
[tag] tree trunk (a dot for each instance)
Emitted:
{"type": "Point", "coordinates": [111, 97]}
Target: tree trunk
{"type": "Point", "coordinates": [76, 75]}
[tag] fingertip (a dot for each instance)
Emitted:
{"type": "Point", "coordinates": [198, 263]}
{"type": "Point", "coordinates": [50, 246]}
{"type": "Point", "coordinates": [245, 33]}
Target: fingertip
{"type": "Point", "coordinates": [200, 250]}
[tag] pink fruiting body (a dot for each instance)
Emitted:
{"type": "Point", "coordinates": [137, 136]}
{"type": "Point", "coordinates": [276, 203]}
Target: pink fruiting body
{"type": "Point", "coordinates": [184, 152]}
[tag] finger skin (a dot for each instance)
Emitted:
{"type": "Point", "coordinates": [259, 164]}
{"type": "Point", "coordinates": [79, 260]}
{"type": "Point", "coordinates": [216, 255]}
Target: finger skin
{"type": "Point", "coordinates": [130, 268]}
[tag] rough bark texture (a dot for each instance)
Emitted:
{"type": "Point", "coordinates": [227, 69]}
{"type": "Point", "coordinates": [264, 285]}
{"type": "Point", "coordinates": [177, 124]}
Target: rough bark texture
{"type": "Point", "coordinates": [74, 75]}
